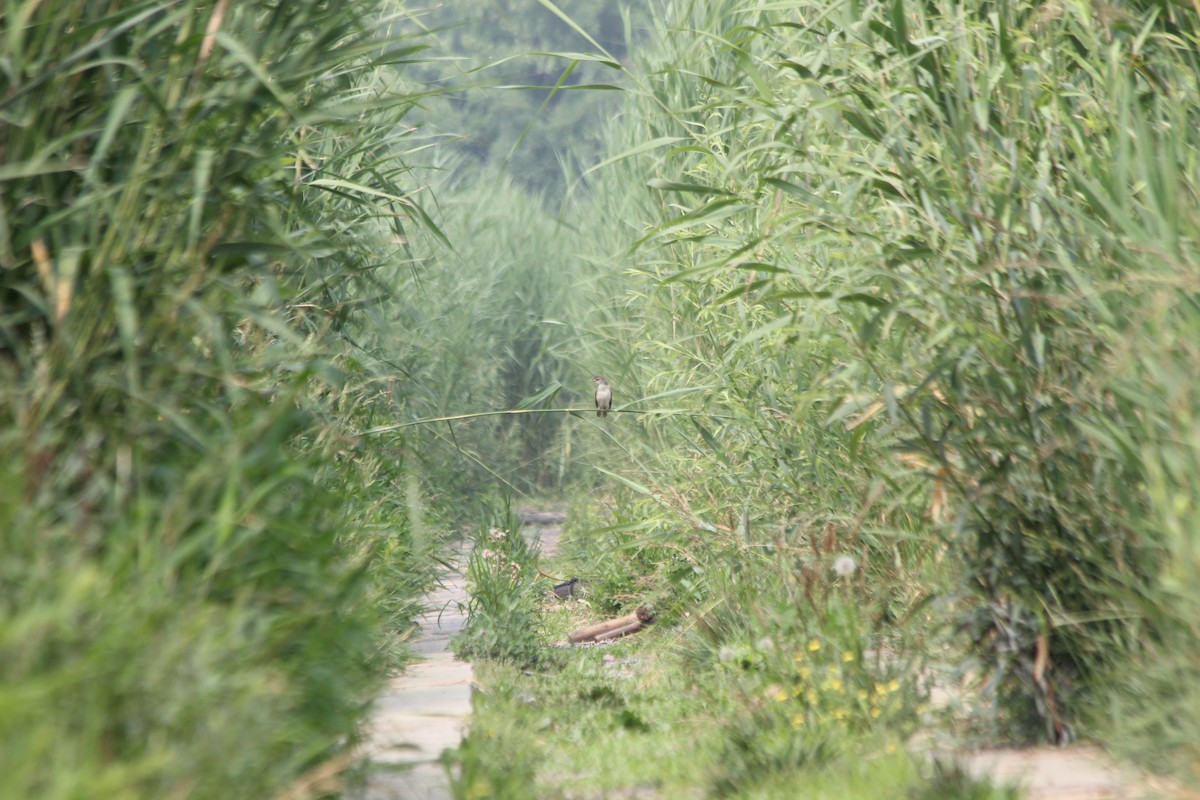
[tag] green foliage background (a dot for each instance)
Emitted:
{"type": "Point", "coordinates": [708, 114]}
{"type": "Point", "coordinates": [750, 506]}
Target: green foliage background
{"type": "Point", "coordinates": [909, 284]}
{"type": "Point", "coordinates": [528, 91]}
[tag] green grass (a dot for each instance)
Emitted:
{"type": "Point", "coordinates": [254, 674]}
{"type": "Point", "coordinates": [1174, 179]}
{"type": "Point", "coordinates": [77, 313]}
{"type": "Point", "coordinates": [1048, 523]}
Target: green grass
{"type": "Point", "coordinates": [584, 731]}
{"type": "Point", "coordinates": [642, 716]}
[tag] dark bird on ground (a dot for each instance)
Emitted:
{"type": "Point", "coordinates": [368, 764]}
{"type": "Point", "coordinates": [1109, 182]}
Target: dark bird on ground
{"type": "Point", "coordinates": [566, 588]}
{"type": "Point", "coordinates": [603, 396]}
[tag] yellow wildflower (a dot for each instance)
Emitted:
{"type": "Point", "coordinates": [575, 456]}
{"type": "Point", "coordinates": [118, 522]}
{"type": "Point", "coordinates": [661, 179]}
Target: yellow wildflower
{"type": "Point", "coordinates": [814, 646]}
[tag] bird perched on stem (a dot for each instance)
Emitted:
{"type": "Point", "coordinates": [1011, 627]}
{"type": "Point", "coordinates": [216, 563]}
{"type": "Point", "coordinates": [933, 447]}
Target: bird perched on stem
{"type": "Point", "coordinates": [603, 396]}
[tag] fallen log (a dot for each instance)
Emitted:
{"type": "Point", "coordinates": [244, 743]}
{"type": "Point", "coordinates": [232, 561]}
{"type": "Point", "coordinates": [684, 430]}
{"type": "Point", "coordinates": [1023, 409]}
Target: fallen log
{"type": "Point", "coordinates": [632, 627]}
{"type": "Point", "coordinates": [601, 628]}
{"type": "Point", "coordinates": [611, 629]}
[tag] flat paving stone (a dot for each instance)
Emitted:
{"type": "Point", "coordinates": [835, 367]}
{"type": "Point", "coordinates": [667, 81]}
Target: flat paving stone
{"type": "Point", "coordinates": [439, 669]}
{"type": "Point", "coordinates": [414, 738]}
{"type": "Point", "coordinates": [447, 700]}
{"type": "Point", "coordinates": [415, 782]}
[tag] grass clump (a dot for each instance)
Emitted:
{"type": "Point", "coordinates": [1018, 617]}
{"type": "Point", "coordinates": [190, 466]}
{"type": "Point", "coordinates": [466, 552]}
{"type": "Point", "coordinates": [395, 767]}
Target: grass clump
{"type": "Point", "coordinates": [607, 721]}
{"type": "Point", "coordinates": [493, 761]}
{"type": "Point", "coordinates": [948, 781]}
{"type": "Point", "coordinates": [504, 620]}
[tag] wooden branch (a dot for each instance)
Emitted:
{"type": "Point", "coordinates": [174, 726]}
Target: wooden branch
{"type": "Point", "coordinates": [632, 627]}
{"type": "Point", "coordinates": [611, 629]}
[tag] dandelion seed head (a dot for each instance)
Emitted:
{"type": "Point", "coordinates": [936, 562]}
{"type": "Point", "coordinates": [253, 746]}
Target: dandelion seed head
{"type": "Point", "coordinates": [844, 566]}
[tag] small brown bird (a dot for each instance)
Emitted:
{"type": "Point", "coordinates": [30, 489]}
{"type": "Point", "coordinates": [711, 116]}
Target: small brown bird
{"type": "Point", "coordinates": [603, 396]}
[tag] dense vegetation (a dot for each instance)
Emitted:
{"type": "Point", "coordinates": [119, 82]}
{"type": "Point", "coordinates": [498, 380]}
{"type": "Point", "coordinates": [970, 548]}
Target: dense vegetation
{"type": "Point", "coordinates": [904, 296]}
{"type": "Point", "coordinates": [229, 307]}
{"type": "Point", "coordinates": [203, 210]}
{"type": "Point", "coordinates": [912, 290]}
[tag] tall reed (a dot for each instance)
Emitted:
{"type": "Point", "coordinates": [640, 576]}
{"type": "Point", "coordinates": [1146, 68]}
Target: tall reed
{"type": "Point", "coordinates": [202, 562]}
{"type": "Point", "coordinates": [903, 254]}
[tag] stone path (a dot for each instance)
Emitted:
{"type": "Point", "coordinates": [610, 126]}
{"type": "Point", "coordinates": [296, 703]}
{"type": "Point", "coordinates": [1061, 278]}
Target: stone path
{"type": "Point", "coordinates": [543, 529]}
{"type": "Point", "coordinates": [1079, 772]}
{"type": "Point", "coordinates": [424, 710]}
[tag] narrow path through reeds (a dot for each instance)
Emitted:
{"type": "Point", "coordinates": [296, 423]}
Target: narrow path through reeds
{"type": "Point", "coordinates": [425, 710]}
